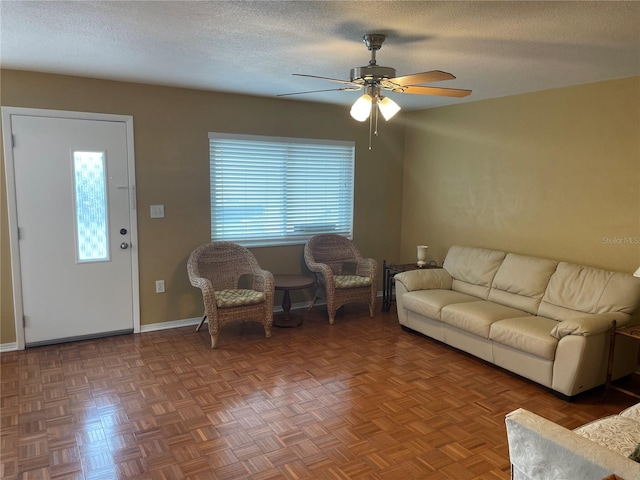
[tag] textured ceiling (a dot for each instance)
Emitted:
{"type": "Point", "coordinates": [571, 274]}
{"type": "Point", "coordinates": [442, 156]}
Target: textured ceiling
{"type": "Point", "coordinates": [493, 48]}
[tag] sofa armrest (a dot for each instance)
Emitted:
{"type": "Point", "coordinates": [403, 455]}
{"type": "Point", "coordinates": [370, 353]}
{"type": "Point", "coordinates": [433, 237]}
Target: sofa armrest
{"type": "Point", "coordinates": [426, 279]}
{"type": "Point", "coordinates": [539, 448]}
{"type": "Point", "coordinates": [587, 325]}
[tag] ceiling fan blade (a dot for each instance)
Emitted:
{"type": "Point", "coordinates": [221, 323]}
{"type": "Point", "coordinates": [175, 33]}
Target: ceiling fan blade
{"type": "Point", "coordinates": [346, 82]}
{"type": "Point", "coordinates": [442, 92]}
{"type": "Point", "coordinates": [345, 89]}
{"type": "Point", "coordinates": [426, 77]}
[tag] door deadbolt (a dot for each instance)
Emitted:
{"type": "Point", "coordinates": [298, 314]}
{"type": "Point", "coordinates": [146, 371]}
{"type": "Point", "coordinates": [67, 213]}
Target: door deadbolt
{"type": "Point", "coordinates": [123, 231]}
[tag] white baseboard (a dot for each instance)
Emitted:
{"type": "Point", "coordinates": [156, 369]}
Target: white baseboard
{"type": "Point", "coordinates": [187, 322]}
{"type": "Point", "coordinates": [153, 327]}
{"type": "Point", "coordinates": [8, 347]}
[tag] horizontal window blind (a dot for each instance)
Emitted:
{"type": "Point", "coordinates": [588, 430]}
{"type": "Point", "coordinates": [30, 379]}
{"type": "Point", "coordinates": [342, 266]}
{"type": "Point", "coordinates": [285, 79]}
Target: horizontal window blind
{"type": "Point", "coordinates": [278, 191]}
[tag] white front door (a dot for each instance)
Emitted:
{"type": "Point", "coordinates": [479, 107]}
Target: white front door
{"type": "Point", "coordinates": [76, 226]}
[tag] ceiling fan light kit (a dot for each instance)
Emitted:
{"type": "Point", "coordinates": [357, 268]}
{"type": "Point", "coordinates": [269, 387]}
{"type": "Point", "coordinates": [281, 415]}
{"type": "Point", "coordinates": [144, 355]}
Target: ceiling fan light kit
{"type": "Point", "coordinates": [374, 78]}
{"type": "Point", "coordinates": [361, 109]}
{"type": "Point", "coordinates": [363, 106]}
{"type": "Point", "coordinates": [388, 108]}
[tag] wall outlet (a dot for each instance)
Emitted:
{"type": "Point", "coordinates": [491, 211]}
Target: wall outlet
{"type": "Point", "coordinates": [159, 286]}
{"type": "Point", "coordinates": [157, 211]}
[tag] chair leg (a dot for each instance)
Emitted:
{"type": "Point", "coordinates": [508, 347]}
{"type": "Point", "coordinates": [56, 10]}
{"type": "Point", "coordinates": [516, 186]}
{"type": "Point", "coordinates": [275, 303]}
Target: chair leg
{"type": "Point", "coordinates": [312, 303]}
{"type": "Point", "coordinates": [332, 311]}
{"type": "Point", "coordinates": [214, 340]}
{"type": "Point", "coordinates": [332, 315]}
{"type": "Point", "coordinates": [201, 323]}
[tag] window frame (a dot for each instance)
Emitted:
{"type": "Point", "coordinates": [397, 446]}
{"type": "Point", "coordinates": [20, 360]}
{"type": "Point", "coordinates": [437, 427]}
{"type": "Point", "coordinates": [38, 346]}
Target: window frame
{"type": "Point", "coordinates": [339, 156]}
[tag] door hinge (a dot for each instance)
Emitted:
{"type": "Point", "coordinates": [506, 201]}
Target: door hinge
{"type": "Point", "coordinates": [24, 321]}
{"type": "Point", "coordinates": [19, 233]}
{"type": "Point", "coordinates": [13, 140]}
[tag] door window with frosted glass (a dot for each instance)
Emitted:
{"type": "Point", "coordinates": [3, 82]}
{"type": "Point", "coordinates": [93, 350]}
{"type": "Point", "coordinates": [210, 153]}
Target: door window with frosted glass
{"type": "Point", "coordinates": [91, 216]}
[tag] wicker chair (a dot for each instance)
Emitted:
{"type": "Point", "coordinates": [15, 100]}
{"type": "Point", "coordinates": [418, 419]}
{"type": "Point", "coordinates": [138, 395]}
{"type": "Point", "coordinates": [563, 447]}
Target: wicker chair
{"type": "Point", "coordinates": [234, 287]}
{"type": "Point", "coordinates": [342, 275]}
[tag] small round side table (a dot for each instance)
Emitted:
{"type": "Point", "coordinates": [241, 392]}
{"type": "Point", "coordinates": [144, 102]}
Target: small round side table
{"type": "Point", "coordinates": [287, 282]}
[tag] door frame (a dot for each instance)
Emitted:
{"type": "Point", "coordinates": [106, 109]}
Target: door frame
{"type": "Point", "coordinates": [7, 140]}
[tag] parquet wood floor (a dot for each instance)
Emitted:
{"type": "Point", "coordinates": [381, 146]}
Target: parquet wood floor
{"type": "Point", "coordinates": [360, 399]}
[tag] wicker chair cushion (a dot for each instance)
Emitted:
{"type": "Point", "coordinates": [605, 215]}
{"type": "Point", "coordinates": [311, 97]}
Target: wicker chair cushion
{"type": "Point", "coordinates": [351, 281]}
{"type": "Point", "coordinates": [238, 297]}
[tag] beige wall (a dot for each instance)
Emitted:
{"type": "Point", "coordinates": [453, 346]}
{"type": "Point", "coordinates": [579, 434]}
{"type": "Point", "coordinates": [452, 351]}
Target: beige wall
{"type": "Point", "coordinates": [552, 174]}
{"type": "Point", "coordinates": [171, 148]}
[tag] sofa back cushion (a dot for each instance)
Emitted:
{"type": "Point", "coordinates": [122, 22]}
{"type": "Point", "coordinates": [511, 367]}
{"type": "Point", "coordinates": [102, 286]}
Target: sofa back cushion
{"type": "Point", "coordinates": [521, 282]}
{"type": "Point", "coordinates": [574, 290]}
{"type": "Point", "coordinates": [472, 269]}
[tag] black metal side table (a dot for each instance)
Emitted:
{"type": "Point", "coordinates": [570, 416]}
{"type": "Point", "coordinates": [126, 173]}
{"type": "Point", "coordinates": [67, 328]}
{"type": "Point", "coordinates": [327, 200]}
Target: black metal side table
{"type": "Point", "coordinates": [631, 332]}
{"type": "Point", "coordinates": [389, 271]}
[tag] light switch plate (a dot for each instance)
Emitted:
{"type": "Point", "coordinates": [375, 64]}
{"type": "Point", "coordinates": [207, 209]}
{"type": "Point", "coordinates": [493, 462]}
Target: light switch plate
{"type": "Point", "coordinates": [157, 211]}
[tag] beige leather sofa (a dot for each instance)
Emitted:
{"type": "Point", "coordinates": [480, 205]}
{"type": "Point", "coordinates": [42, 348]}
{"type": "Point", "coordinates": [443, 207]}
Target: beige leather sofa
{"type": "Point", "coordinates": [542, 450]}
{"type": "Point", "coordinates": [545, 320]}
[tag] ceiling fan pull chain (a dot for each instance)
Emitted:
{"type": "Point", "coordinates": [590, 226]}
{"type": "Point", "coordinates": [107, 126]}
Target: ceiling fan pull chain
{"type": "Point", "coordinates": [373, 129]}
{"type": "Point", "coordinates": [370, 129]}
{"type": "Point", "coordinates": [375, 106]}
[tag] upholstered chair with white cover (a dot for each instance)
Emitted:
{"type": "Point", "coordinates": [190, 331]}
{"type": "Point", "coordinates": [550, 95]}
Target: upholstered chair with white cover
{"type": "Point", "coordinates": [343, 275]}
{"type": "Point", "coordinates": [234, 287]}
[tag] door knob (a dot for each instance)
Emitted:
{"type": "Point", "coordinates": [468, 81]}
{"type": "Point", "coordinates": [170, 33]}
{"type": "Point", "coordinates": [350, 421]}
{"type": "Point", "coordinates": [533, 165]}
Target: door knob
{"type": "Point", "coordinates": [124, 245]}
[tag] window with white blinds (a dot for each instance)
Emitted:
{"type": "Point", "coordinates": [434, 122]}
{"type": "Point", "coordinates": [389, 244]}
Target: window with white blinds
{"type": "Point", "coordinates": [279, 191]}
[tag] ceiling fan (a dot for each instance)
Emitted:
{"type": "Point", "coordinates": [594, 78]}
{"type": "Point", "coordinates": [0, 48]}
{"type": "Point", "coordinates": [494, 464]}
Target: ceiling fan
{"type": "Point", "coordinates": [375, 78]}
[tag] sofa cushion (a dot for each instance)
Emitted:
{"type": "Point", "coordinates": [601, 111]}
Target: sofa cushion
{"type": "Point", "coordinates": [431, 302]}
{"type": "Point", "coordinates": [615, 432]}
{"type": "Point", "coordinates": [351, 281]}
{"type": "Point", "coordinates": [472, 269]}
{"type": "Point", "coordinates": [521, 281]}
{"type": "Point", "coordinates": [633, 412]}
{"type": "Point", "coordinates": [477, 317]}
{"type": "Point", "coordinates": [529, 334]}
{"type": "Point", "coordinates": [238, 297]}
{"type": "Point", "coordinates": [574, 289]}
